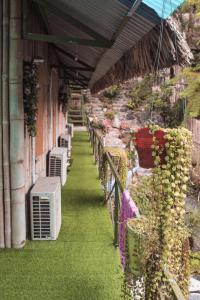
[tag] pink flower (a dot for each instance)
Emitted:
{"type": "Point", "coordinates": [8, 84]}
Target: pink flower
{"type": "Point", "coordinates": [107, 123]}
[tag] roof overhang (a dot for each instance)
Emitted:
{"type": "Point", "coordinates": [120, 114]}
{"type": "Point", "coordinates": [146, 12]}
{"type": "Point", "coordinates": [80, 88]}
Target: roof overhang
{"type": "Point", "coordinates": [92, 37]}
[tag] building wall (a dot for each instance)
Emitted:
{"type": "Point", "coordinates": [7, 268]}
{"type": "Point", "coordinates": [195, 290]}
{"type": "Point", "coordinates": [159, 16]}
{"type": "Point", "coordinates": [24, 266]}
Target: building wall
{"type": "Point", "coordinates": [50, 120]}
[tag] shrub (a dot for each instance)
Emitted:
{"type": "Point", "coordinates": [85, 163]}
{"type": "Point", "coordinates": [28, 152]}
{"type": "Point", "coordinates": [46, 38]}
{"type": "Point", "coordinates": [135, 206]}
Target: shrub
{"type": "Point", "coordinates": [109, 115]}
{"type": "Point", "coordinates": [111, 92]}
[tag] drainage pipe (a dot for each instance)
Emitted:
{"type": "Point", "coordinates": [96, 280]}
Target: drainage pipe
{"type": "Point", "coordinates": [16, 127]}
{"type": "Point", "coordinates": [33, 159]}
{"type": "Point", "coordinates": [5, 126]}
{"type": "Point", "coordinates": [2, 243]}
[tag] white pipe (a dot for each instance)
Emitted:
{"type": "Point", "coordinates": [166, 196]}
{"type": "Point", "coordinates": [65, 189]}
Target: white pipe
{"type": "Point", "coordinates": [16, 127]}
{"type": "Point", "coordinates": [2, 241]}
{"type": "Point", "coordinates": [33, 160]}
{"type": "Point", "coordinates": [5, 120]}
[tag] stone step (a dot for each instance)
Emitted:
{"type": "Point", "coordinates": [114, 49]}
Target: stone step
{"type": "Point", "coordinates": [76, 121]}
{"type": "Point", "coordinates": [75, 116]}
{"type": "Point", "coordinates": [74, 111]}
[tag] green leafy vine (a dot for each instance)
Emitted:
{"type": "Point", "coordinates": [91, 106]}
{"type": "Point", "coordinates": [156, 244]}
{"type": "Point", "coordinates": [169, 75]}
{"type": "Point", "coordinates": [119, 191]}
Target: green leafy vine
{"type": "Point", "coordinates": [166, 236]}
{"type": "Point", "coordinates": [30, 83]}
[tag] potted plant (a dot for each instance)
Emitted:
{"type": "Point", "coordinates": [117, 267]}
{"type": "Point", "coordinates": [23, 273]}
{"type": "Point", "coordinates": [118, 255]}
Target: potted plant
{"type": "Point", "coordinates": [144, 140]}
{"type": "Point", "coordinates": [135, 247]}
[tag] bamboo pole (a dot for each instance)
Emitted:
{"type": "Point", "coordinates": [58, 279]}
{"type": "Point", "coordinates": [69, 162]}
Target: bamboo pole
{"type": "Point", "coordinates": [2, 242]}
{"type": "Point", "coordinates": [5, 129]}
{"type": "Point", "coordinates": [16, 128]}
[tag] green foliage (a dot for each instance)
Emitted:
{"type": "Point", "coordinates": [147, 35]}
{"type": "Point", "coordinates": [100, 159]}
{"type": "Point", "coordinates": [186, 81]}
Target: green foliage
{"type": "Point", "coordinates": [131, 104]}
{"type": "Point", "coordinates": [141, 93]}
{"type": "Point", "coordinates": [120, 160]}
{"type": "Point", "coordinates": [192, 92]}
{"type": "Point", "coordinates": [63, 96]}
{"type": "Point", "coordinates": [194, 219]}
{"type": "Point", "coordinates": [109, 115]}
{"type": "Point", "coordinates": [30, 82]}
{"type": "Point", "coordinates": [111, 92]}
{"type": "Point", "coordinates": [164, 198]}
{"type": "Point", "coordinates": [189, 5]}
{"type": "Point", "coordinates": [191, 77]}
{"type": "Point", "coordinates": [172, 114]}
{"type": "Point", "coordinates": [195, 262]}
{"type": "Point", "coordinates": [170, 191]}
{"type": "Point", "coordinates": [142, 194]}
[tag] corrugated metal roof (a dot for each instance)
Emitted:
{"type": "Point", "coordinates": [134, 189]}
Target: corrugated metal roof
{"type": "Point", "coordinates": [125, 41]}
{"type": "Point", "coordinates": [105, 17]}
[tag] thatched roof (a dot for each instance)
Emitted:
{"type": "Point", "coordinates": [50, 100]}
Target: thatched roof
{"type": "Point", "coordinates": [144, 57]}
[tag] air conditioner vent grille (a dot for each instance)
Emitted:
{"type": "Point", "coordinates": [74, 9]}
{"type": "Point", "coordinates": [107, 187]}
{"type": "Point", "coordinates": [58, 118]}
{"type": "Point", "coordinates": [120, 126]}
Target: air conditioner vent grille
{"type": "Point", "coordinates": [41, 218]}
{"type": "Point", "coordinates": [55, 168]}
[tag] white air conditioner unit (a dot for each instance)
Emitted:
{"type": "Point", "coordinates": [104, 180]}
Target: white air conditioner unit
{"type": "Point", "coordinates": [70, 129]}
{"type": "Point", "coordinates": [65, 141]}
{"type": "Point", "coordinates": [58, 163]}
{"type": "Point", "coordinates": [45, 204]}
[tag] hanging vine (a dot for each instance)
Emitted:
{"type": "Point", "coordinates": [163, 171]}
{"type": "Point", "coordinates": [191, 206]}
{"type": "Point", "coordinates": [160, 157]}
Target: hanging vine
{"type": "Point", "coordinates": [30, 84]}
{"type": "Point", "coordinates": [166, 236]}
{"type": "Point", "coordinates": [63, 96]}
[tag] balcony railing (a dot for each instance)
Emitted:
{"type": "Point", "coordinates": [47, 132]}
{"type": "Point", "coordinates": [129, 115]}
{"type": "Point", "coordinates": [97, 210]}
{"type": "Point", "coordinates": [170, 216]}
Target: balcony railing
{"type": "Point", "coordinates": [113, 192]}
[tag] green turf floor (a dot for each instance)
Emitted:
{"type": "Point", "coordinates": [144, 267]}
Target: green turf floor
{"type": "Point", "coordinates": [82, 264]}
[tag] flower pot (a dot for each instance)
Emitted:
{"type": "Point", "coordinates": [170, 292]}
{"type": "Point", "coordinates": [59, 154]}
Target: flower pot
{"type": "Point", "coordinates": [143, 145]}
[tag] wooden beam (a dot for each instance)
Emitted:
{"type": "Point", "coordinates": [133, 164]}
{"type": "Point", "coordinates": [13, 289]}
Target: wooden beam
{"type": "Point", "coordinates": [76, 87]}
{"type": "Point", "coordinates": [79, 68]}
{"type": "Point", "coordinates": [67, 73]}
{"type": "Point", "coordinates": [54, 9]}
{"type": "Point", "coordinates": [78, 80]}
{"type": "Point", "coordinates": [48, 38]}
{"type": "Point", "coordinates": [72, 57]}
{"type": "Point", "coordinates": [74, 71]}
{"type": "Point", "coordinates": [70, 76]}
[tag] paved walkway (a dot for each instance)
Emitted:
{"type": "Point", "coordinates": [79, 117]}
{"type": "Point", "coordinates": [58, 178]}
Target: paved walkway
{"type": "Point", "coordinates": [82, 264]}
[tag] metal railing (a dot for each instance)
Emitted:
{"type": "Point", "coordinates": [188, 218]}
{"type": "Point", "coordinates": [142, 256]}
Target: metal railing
{"type": "Point", "coordinates": [113, 187]}
{"type": "Point", "coordinates": [113, 193]}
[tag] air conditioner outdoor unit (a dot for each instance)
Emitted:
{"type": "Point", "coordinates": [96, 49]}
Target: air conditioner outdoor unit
{"type": "Point", "coordinates": [58, 163]}
{"type": "Point", "coordinates": [65, 141]}
{"type": "Point", "coordinates": [45, 204]}
{"type": "Point", "coordinates": [70, 129]}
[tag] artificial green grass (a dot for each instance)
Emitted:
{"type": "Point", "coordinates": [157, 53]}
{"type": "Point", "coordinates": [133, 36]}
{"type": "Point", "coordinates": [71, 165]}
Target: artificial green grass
{"type": "Point", "coordinates": [83, 263]}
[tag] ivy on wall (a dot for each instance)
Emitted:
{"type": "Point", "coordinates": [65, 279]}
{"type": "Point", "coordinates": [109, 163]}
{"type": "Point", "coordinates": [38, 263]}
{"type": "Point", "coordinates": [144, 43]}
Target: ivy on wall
{"type": "Point", "coordinates": [30, 84]}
